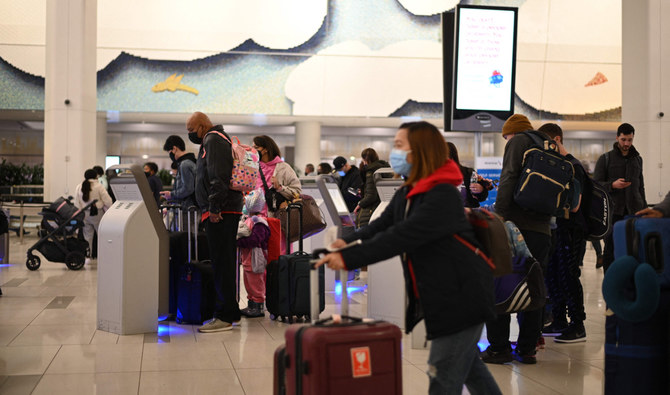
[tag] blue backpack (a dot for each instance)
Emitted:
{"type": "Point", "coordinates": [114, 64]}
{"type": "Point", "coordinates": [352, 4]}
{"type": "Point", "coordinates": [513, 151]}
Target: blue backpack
{"type": "Point", "coordinates": [547, 181]}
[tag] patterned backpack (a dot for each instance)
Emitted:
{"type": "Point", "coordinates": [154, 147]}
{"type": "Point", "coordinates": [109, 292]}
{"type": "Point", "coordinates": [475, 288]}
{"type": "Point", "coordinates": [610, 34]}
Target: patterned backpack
{"type": "Point", "coordinates": [245, 165]}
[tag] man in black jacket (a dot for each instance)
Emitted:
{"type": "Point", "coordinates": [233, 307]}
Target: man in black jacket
{"type": "Point", "coordinates": [537, 233]}
{"type": "Point", "coordinates": [620, 172]}
{"type": "Point", "coordinates": [221, 209]}
{"type": "Point", "coordinates": [350, 182]}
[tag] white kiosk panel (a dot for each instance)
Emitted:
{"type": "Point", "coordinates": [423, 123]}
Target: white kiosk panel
{"type": "Point", "coordinates": [132, 258]}
{"type": "Point", "coordinates": [386, 280]}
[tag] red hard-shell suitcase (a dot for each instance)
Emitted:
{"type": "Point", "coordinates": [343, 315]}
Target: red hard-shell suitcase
{"type": "Point", "coordinates": [352, 357]}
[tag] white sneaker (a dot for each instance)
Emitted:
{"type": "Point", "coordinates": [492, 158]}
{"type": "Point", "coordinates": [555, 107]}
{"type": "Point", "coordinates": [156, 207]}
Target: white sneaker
{"type": "Point", "coordinates": [215, 325]}
{"type": "Point", "coordinates": [87, 261]}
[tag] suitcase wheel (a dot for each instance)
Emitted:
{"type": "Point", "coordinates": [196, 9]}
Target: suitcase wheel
{"type": "Point", "coordinates": [273, 317]}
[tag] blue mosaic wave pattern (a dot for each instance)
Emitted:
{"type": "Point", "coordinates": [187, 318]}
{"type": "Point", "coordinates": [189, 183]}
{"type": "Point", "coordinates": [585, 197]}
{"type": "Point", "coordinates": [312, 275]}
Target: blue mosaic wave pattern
{"type": "Point", "coordinates": [246, 80]}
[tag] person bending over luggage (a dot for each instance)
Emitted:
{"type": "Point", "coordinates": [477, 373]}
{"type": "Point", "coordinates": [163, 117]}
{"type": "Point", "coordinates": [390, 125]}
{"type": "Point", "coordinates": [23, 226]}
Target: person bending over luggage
{"type": "Point", "coordinates": [221, 210]}
{"type": "Point", "coordinates": [253, 252]}
{"type": "Point", "coordinates": [447, 284]}
{"type": "Point", "coordinates": [472, 193]}
{"type": "Point", "coordinates": [659, 211]}
{"type": "Point", "coordinates": [85, 192]}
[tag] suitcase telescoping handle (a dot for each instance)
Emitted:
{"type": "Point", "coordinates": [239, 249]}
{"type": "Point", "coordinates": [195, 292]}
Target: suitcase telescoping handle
{"type": "Point", "coordinates": [193, 224]}
{"type": "Point", "coordinates": [314, 291]}
{"type": "Point", "coordinates": [293, 206]}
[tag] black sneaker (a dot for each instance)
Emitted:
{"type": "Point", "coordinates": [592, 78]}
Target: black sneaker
{"type": "Point", "coordinates": [528, 359]}
{"type": "Point", "coordinates": [574, 334]}
{"type": "Point", "coordinates": [554, 329]}
{"type": "Point", "coordinates": [499, 358]}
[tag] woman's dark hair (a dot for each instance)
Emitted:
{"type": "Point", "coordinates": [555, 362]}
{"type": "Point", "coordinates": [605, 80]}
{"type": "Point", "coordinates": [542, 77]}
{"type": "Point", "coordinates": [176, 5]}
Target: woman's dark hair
{"type": "Point", "coordinates": [325, 168]}
{"type": "Point", "coordinates": [269, 144]}
{"type": "Point", "coordinates": [99, 170]}
{"type": "Point", "coordinates": [89, 174]}
{"type": "Point", "coordinates": [429, 152]}
{"type": "Point", "coordinates": [369, 155]}
{"type": "Point", "coordinates": [174, 141]}
{"type": "Point", "coordinates": [453, 153]}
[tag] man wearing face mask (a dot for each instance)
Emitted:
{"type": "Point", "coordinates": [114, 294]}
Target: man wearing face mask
{"type": "Point", "coordinates": [184, 183]}
{"type": "Point", "coordinates": [350, 182]}
{"type": "Point", "coordinates": [221, 210]}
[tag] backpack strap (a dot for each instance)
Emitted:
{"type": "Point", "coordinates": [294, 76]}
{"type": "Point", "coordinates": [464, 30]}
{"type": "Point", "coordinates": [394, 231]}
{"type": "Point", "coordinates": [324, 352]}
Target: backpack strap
{"type": "Point", "coordinates": [477, 251]}
{"type": "Point", "coordinates": [204, 152]}
{"type": "Point", "coordinates": [539, 139]}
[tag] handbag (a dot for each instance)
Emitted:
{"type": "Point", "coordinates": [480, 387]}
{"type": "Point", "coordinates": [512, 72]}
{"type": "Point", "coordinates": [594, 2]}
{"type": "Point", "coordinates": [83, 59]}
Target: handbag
{"type": "Point", "coordinates": [312, 219]}
{"type": "Point", "coordinates": [273, 198]}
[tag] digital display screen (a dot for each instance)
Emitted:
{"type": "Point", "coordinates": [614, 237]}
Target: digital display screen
{"type": "Point", "coordinates": [485, 57]}
{"type": "Point", "coordinates": [337, 198]}
{"type": "Point", "coordinates": [112, 160]}
{"type": "Point", "coordinates": [126, 191]}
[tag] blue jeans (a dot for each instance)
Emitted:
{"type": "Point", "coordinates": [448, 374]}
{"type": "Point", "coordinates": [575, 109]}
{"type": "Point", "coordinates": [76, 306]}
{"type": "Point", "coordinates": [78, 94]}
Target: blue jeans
{"type": "Point", "coordinates": [454, 361]}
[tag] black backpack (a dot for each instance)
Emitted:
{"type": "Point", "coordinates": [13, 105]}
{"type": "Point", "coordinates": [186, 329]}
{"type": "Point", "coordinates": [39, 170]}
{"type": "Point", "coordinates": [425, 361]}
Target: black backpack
{"type": "Point", "coordinates": [546, 178]}
{"type": "Point", "coordinates": [596, 207]}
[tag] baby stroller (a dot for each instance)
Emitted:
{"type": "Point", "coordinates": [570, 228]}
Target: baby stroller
{"type": "Point", "coordinates": [61, 239]}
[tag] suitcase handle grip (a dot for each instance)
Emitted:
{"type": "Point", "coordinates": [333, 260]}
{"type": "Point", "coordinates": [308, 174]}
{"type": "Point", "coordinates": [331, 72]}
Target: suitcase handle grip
{"type": "Point", "coordinates": [337, 319]}
{"type": "Point", "coordinates": [314, 282]}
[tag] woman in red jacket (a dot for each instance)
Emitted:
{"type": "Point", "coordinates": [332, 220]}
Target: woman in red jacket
{"type": "Point", "coordinates": [448, 286]}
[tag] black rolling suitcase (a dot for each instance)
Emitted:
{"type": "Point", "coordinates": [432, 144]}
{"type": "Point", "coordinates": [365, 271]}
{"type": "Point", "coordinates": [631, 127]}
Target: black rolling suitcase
{"type": "Point", "coordinates": [196, 295]}
{"type": "Point", "coordinates": [287, 283]}
{"type": "Point", "coordinates": [179, 242]}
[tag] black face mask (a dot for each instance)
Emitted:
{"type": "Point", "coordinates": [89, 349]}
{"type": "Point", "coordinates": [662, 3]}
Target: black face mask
{"type": "Point", "coordinates": [194, 138]}
{"type": "Point", "coordinates": [172, 158]}
{"type": "Point", "coordinates": [146, 173]}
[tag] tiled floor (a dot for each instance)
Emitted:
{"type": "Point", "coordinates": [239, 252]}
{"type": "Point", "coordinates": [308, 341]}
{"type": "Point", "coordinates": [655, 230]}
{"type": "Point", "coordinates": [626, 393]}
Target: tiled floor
{"type": "Point", "coordinates": [49, 345]}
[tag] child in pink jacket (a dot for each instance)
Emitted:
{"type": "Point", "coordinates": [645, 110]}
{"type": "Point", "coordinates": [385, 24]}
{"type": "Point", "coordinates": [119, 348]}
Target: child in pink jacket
{"type": "Point", "coordinates": [254, 254]}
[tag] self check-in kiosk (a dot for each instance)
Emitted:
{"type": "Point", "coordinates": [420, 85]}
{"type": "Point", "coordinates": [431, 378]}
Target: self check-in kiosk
{"type": "Point", "coordinates": [133, 258]}
{"type": "Point", "coordinates": [337, 210]}
{"type": "Point", "coordinates": [386, 281]}
{"type": "Point", "coordinates": [310, 187]}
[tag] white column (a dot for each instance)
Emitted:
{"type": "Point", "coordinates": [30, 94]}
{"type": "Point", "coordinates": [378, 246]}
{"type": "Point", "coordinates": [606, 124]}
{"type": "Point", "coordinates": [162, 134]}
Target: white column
{"type": "Point", "coordinates": [101, 139]}
{"type": "Point", "coordinates": [499, 144]}
{"type": "Point", "coordinates": [646, 88]}
{"type": "Point", "coordinates": [70, 137]}
{"type": "Point", "coordinates": [307, 144]}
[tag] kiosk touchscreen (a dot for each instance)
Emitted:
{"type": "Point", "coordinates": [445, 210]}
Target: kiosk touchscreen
{"type": "Point", "coordinates": [335, 204]}
{"type": "Point", "coordinates": [133, 266]}
{"type": "Point", "coordinates": [310, 187]}
{"type": "Point", "coordinates": [386, 281]}
{"type": "Point", "coordinates": [339, 214]}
